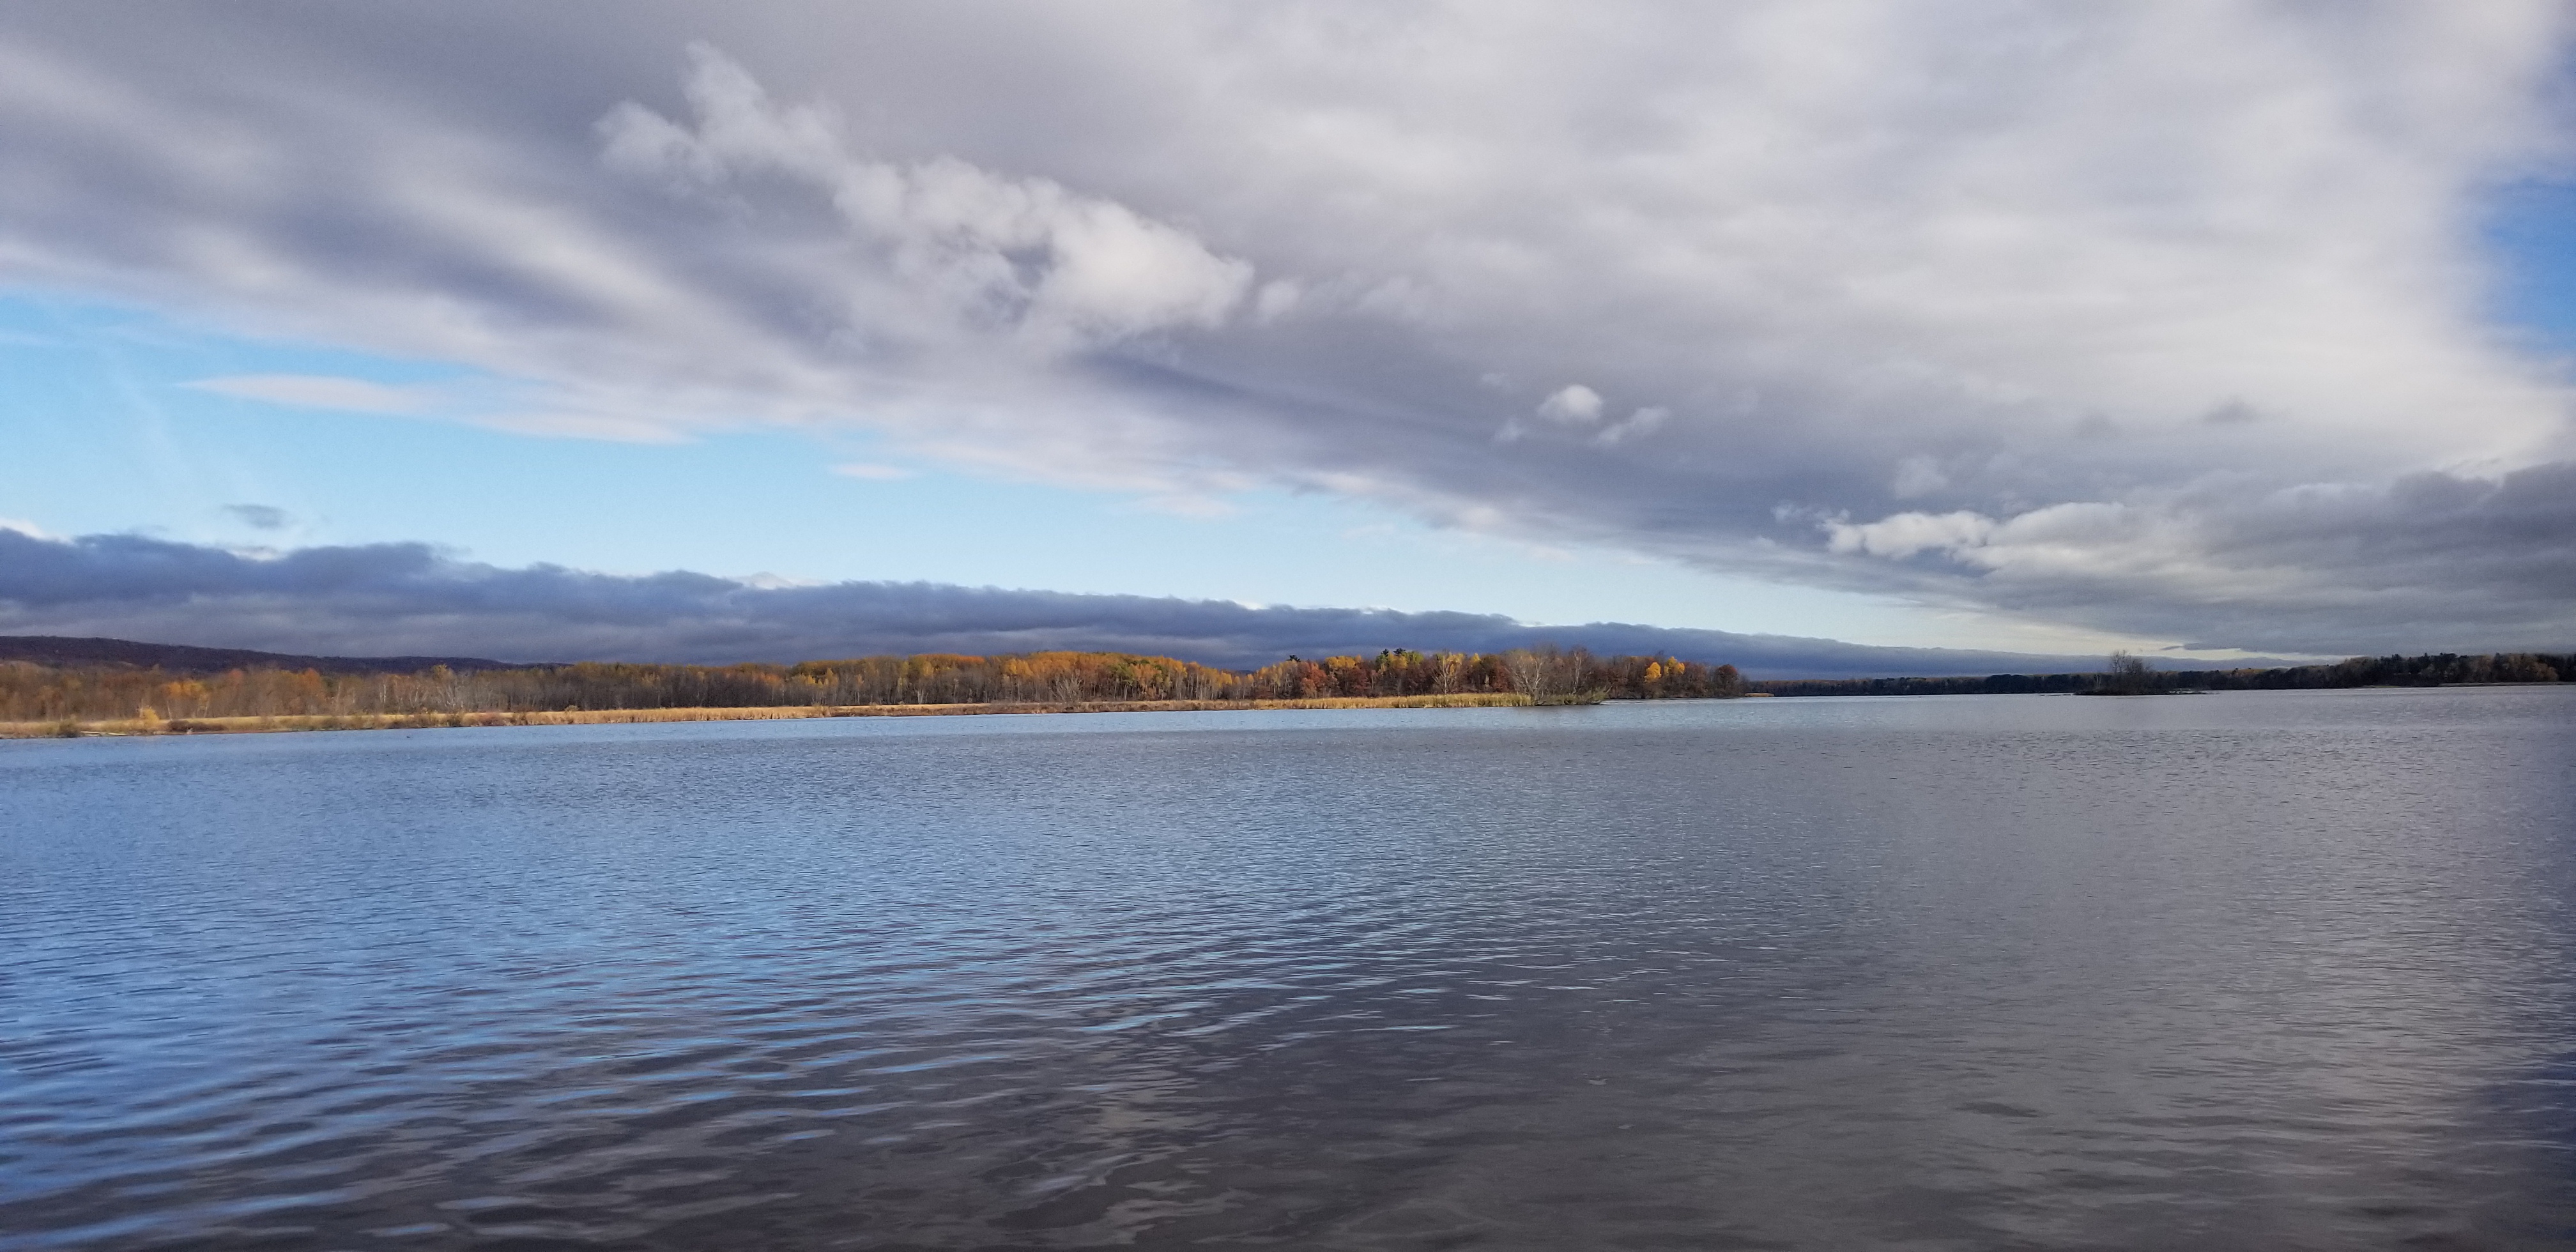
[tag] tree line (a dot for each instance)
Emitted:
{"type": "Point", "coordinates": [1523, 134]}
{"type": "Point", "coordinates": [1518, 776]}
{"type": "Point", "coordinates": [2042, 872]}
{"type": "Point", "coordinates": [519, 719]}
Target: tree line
{"type": "Point", "coordinates": [32, 692]}
{"type": "Point", "coordinates": [2435, 669]}
{"type": "Point", "coordinates": [35, 692]}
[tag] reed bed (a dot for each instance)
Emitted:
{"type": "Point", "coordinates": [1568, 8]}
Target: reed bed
{"type": "Point", "coordinates": [119, 727]}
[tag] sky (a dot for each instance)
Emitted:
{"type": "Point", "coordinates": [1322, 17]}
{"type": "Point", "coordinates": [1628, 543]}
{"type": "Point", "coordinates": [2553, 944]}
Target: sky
{"type": "Point", "coordinates": [2202, 329]}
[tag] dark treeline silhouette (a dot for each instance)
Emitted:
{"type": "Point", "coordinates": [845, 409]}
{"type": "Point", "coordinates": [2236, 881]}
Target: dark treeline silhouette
{"type": "Point", "coordinates": [31, 692]}
{"type": "Point", "coordinates": [2430, 670]}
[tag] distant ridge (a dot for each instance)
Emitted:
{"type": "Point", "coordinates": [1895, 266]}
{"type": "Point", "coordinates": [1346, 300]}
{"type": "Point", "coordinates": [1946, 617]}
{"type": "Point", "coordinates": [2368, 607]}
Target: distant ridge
{"type": "Point", "coordinates": [181, 659]}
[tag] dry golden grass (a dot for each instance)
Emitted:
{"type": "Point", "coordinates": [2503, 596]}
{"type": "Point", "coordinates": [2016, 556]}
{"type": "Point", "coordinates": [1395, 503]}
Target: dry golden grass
{"type": "Point", "coordinates": [596, 717]}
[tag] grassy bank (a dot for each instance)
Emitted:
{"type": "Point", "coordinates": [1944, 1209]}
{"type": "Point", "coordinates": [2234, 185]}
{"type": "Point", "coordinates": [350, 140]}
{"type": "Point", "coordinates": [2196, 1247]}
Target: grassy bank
{"type": "Point", "coordinates": [599, 717]}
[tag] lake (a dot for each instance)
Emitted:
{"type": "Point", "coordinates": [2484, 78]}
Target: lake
{"type": "Point", "coordinates": [2245, 970]}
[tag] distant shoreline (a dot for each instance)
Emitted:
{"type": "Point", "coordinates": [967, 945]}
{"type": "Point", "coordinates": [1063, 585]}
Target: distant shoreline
{"type": "Point", "coordinates": [151, 727]}
{"type": "Point", "coordinates": [114, 693]}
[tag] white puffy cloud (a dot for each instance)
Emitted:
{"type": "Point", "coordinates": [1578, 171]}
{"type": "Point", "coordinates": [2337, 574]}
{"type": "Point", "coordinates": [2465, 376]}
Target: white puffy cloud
{"type": "Point", "coordinates": [1904, 534]}
{"type": "Point", "coordinates": [2035, 302]}
{"type": "Point", "coordinates": [1575, 405]}
{"type": "Point", "coordinates": [1022, 255]}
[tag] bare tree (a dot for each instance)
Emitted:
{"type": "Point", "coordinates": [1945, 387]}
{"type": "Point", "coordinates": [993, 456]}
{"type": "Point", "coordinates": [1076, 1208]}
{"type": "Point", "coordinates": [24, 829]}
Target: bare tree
{"type": "Point", "coordinates": [1551, 676]}
{"type": "Point", "coordinates": [2127, 676]}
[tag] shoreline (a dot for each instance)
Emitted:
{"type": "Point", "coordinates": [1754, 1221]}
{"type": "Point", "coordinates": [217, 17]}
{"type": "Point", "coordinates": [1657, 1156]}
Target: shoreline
{"type": "Point", "coordinates": [283, 723]}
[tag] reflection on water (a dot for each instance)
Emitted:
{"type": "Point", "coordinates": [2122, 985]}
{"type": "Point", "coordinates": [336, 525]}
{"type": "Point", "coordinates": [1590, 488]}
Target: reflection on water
{"type": "Point", "coordinates": [2250, 970]}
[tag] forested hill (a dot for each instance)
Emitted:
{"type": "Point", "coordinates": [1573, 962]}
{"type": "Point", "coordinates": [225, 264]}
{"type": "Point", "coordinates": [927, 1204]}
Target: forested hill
{"type": "Point", "coordinates": [63, 652]}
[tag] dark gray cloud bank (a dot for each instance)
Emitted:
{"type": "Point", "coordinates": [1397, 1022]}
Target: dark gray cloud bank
{"type": "Point", "coordinates": [405, 599]}
{"type": "Point", "coordinates": [2166, 319]}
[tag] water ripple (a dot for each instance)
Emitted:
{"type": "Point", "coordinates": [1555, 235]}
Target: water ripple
{"type": "Point", "coordinates": [2261, 971]}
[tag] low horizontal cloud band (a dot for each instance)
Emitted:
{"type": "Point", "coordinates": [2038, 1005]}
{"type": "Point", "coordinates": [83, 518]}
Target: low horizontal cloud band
{"type": "Point", "coordinates": [406, 599]}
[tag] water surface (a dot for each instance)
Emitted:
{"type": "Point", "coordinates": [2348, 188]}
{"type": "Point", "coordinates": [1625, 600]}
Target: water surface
{"type": "Point", "coordinates": [2250, 970]}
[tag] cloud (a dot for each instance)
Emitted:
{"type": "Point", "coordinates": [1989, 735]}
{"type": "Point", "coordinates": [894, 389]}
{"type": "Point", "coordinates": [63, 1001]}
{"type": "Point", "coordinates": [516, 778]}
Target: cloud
{"type": "Point", "coordinates": [2045, 306]}
{"type": "Point", "coordinates": [260, 516]}
{"type": "Point", "coordinates": [1917, 476]}
{"type": "Point", "coordinates": [406, 599]}
{"type": "Point", "coordinates": [1021, 255]}
{"type": "Point", "coordinates": [872, 472]}
{"type": "Point", "coordinates": [1277, 298]}
{"type": "Point", "coordinates": [1576, 405]}
{"type": "Point", "coordinates": [1645, 421]}
{"type": "Point", "coordinates": [1904, 534]}
{"type": "Point", "coordinates": [2432, 561]}
{"type": "Point", "coordinates": [315, 391]}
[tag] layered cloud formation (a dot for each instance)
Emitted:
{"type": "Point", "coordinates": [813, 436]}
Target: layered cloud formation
{"type": "Point", "coordinates": [2163, 319]}
{"type": "Point", "coordinates": [406, 599]}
